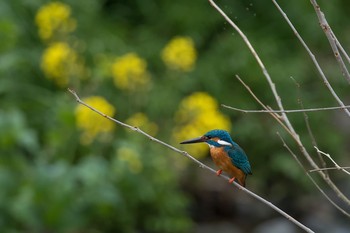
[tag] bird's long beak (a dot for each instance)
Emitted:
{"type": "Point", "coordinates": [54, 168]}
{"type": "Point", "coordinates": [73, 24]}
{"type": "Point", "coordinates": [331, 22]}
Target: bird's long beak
{"type": "Point", "coordinates": [194, 140]}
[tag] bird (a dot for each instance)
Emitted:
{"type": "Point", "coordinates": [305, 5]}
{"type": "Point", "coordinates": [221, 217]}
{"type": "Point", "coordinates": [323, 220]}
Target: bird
{"type": "Point", "coordinates": [226, 154]}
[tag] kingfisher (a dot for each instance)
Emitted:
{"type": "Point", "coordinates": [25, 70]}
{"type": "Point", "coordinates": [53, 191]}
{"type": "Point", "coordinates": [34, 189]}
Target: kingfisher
{"type": "Point", "coordinates": [226, 154]}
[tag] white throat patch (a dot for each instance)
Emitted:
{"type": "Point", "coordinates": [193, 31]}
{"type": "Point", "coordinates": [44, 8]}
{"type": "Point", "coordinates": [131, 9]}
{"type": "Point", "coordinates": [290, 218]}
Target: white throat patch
{"type": "Point", "coordinates": [224, 143]}
{"type": "Point", "coordinates": [210, 146]}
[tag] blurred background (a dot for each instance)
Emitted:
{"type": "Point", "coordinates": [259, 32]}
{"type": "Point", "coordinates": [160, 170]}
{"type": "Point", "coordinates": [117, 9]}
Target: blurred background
{"type": "Point", "coordinates": [166, 67]}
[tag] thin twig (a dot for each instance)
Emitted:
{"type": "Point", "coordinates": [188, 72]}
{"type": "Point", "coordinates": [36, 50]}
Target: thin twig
{"type": "Point", "coordinates": [330, 158]}
{"type": "Point", "coordinates": [313, 58]}
{"type": "Point", "coordinates": [308, 126]}
{"type": "Point", "coordinates": [274, 115]}
{"type": "Point", "coordinates": [257, 58]}
{"type": "Point", "coordinates": [328, 168]}
{"type": "Point", "coordinates": [313, 139]}
{"type": "Point", "coordinates": [202, 165]}
{"type": "Point", "coordinates": [331, 39]}
{"type": "Point", "coordinates": [310, 177]}
{"type": "Point", "coordinates": [286, 111]}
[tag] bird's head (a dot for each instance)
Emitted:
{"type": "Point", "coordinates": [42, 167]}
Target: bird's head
{"type": "Point", "coordinates": [214, 138]}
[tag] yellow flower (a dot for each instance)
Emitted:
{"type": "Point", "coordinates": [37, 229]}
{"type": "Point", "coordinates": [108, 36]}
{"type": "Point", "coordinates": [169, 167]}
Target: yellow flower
{"type": "Point", "coordinates": [130, 72]}
{"type": "Point", "coordinates": [92, 123]}
{"type": "Point", "coordinates": [197, 114]}
{"type": "Point", "coordinates": [141, 120]}
{"type": "Point", "coordinates": [131, 158]}
{"type": "Point", "coordinates": [59, 62]}
{"type": "Point", "coordinates": [180, 54]}
{"type": "Point", "coordinates": [53, 20]}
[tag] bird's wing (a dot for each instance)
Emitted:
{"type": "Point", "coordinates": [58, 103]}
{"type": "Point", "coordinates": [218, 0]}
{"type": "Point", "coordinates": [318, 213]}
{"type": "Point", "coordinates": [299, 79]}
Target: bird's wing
{"type": "Point", "coordinates": [240, 159]}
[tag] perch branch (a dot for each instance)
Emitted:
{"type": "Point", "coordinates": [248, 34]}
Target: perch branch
{"type": "Point", "coordinates": [202, 165]}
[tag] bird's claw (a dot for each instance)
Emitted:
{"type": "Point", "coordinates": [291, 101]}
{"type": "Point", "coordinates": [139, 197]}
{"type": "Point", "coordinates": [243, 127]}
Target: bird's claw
{"type": "Point", "coordinates": [218, 172]}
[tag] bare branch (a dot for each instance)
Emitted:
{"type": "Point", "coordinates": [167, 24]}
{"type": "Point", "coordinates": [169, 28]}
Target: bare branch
{"type": "Point", "coordinates": [329, 168]}
{"type": "Point", "coordinates": [261, 64]}
{"type": "Point", "coordinates": [308, 126]}
{"type": "Point", "coordinates": [312, 179]}
{"type": "Point", "coordinates": [333, 41]}
{"type": "Point", "coordinates": [313, 139]}
{"type": "Point", "coordinates": [274, 115]}
{"type": "Point", "coordinates": [313, 58]}
{"type": "Point", "coordinates": [286, 111]}
{"type": "Point", "coordinates": [202, 165]}
{"type": "Point", "coordinates": [330, 158]}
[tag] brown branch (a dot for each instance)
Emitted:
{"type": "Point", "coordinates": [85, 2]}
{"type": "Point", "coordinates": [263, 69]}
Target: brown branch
{"type": "Point", "coordinates": [202, 165]}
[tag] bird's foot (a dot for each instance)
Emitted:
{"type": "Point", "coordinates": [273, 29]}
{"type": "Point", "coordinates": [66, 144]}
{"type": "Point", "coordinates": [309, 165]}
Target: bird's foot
{"type": "Point", "coordinates": [218, 172]}
{"type": "Point", "coordinates": [231, 180]}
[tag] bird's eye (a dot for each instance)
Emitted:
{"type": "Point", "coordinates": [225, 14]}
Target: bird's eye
{"type": "Point", "coordinates": [208, 137]}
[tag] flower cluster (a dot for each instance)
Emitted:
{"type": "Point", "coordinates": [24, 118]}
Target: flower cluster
{"type": "Point", "coordinates": [141, 120]}
{"type": "Point", "coordinates": [130, 72]}
{"type": "Point", "coordinates": [91, 123]}
{"type": "Point", "coordinates": [197, 114]}
{"type": "Point", "coordinates": [180, 54]}
{"type": "Point", "coordinates": [54, 21]}
{"type": "Point", "coordinates": [58, 62]}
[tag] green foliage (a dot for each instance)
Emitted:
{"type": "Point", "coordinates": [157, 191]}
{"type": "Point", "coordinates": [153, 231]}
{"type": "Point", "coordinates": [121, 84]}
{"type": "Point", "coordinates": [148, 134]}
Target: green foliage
{"type": "Point", "coordinates": [122, 182]}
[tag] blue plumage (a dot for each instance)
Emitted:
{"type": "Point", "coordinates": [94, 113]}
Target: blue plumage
{"type": "Point", "coordinates": [236, 153]}
{"type": "Point", "coordinates": [226, 154]}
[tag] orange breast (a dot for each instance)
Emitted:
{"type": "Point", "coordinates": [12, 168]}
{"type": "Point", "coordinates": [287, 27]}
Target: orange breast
{"type": "Point", "coordinates": [224, 162]}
